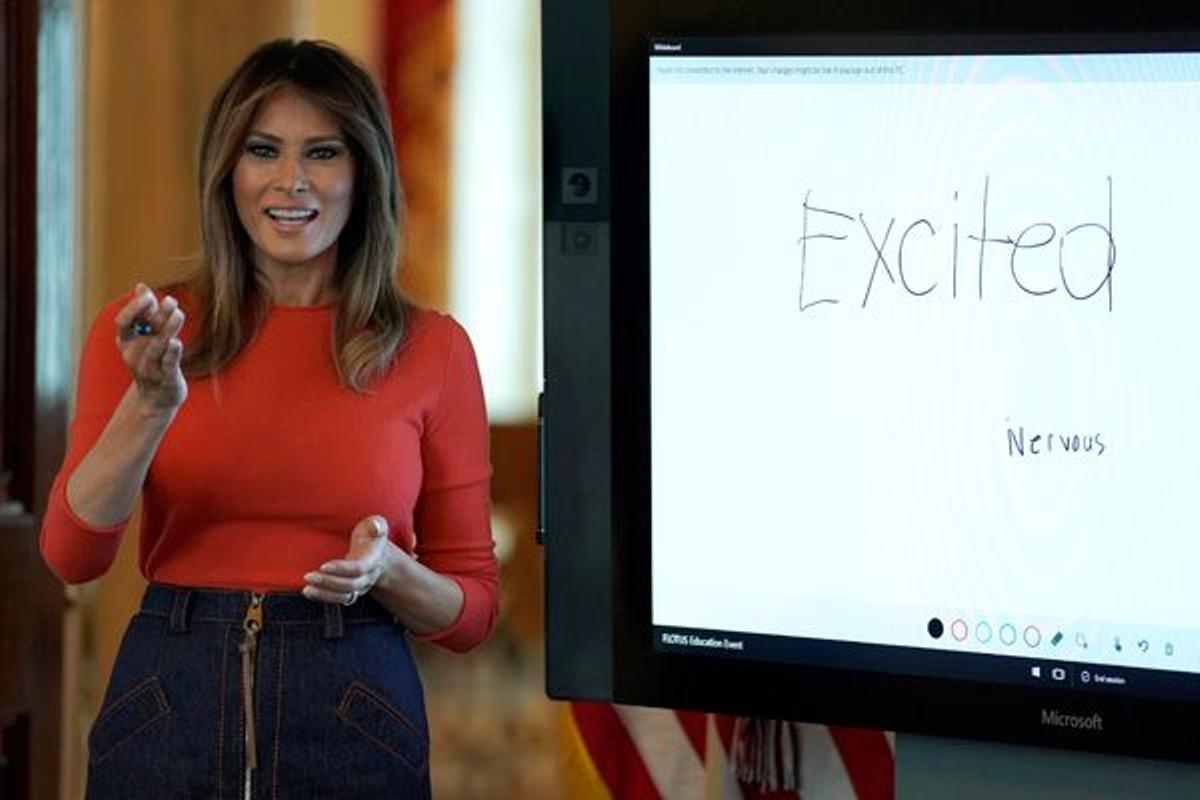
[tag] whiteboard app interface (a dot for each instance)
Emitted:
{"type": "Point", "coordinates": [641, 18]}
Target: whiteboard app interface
{"type": "Point", "coordinates": [923, 367]}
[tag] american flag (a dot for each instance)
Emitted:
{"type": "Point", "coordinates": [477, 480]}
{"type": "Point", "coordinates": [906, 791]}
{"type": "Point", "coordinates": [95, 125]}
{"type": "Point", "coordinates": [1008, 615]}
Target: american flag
{"type": "Point", "coordinates": [634, 753]}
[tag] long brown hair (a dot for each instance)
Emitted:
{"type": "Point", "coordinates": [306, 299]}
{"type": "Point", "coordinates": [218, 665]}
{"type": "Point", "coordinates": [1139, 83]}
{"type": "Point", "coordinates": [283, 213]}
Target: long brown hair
{"type": "Point", "coordinates": [227, 294]}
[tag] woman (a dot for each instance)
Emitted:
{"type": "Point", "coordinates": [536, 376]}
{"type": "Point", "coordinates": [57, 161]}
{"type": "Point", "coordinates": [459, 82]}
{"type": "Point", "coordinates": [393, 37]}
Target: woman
{"type": "Point", "coordinates": [312, 456]}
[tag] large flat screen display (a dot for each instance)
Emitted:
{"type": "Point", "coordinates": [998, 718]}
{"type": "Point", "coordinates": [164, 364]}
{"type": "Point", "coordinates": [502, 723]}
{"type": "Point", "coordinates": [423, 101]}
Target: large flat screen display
{"type": "Point", "coordinates": [924, 394]}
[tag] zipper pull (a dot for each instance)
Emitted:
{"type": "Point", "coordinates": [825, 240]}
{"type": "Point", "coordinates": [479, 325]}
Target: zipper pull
{"type": "Point", "coordinates": [253, 620]}
{"type": "Point", "coordinates": [252, 623]}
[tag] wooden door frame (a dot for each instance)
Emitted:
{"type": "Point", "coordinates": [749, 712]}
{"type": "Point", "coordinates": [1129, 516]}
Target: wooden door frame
{"type": "Point", "coordinates": [32, 601]}
{"type": "Point", "coordinates": [18, 275]}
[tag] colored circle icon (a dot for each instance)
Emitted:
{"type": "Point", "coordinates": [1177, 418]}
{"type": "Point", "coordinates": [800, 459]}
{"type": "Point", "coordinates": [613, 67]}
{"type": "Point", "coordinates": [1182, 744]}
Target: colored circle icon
{"type": "Point", "coordinates": [958, 629]}
{"type": "Point", "coordinates": [1033, 637]}
{"type": "Point", "coordinates": [983, 632]}
{"type": "Point", "coordinates": [935, 628]}
{"type": "Point", "coordinates": [1008, 634]}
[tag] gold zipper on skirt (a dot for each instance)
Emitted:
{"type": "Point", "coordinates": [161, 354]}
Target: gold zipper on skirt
{"type": "Point", "coordinates": [252, 623]}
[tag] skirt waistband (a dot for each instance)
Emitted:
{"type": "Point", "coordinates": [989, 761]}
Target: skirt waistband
{"type": "Point", "coordinates": [184, 604]}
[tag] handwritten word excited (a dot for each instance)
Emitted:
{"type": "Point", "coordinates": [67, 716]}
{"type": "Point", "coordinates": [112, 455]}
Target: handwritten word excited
{"type": "Point", "coordinates": [916, 282]}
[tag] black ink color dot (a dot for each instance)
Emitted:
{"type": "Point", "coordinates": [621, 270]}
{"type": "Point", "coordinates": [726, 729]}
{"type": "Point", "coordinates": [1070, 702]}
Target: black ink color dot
{"type": "Point", "coordinates": [936, 629]}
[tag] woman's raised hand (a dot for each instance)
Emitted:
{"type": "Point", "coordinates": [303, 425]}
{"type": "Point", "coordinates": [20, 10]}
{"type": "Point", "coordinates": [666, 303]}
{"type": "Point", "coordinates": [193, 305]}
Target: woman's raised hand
{"type": "Point", "coordinates": [148, 338]}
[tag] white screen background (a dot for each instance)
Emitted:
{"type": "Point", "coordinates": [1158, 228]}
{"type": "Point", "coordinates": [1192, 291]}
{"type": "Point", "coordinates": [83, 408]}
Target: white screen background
{"type": "Point", "coordinates": [844, 471]}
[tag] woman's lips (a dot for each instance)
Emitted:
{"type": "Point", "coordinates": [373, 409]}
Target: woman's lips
{"type": "Point", "coordinates": [290, 218]}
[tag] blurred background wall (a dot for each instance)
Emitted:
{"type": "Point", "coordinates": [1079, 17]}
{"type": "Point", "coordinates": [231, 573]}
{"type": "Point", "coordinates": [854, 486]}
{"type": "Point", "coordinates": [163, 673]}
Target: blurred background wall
{"type": "Point", "coordinates": [462, 77]}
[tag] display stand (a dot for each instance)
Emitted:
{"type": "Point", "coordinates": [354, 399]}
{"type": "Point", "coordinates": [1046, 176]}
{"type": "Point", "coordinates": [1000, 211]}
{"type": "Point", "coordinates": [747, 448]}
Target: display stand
{"type": "Point", "coordinates": [929, 768]}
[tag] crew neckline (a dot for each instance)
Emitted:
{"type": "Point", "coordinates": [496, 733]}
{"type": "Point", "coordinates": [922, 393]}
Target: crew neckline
{"type": "Point", "coordinates": [292, 309]}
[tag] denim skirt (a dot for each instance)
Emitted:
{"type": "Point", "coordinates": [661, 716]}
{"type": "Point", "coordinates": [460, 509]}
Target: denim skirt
{"type": "Point", "coordinates": [228, 695]}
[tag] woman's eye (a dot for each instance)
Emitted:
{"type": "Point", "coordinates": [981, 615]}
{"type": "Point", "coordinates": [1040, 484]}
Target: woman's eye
{"type": "Point", "coordinates": [260, 150]}
{"type": "Point", "coordinates": [323, 153]}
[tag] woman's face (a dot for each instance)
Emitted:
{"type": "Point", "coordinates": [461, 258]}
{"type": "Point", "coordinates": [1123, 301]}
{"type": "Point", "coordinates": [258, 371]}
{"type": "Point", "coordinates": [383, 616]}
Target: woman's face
{"type": "Point", "coordinates": [293, 185]}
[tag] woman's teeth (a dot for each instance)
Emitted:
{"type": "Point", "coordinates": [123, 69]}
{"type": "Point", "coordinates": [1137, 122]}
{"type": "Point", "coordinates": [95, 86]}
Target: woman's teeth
{"type": "Point", "coordinates": [291, 214]}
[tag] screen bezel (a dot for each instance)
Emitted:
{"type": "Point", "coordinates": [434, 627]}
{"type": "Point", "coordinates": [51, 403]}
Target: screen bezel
{"type": "Point", "coordinates": [845, 696]}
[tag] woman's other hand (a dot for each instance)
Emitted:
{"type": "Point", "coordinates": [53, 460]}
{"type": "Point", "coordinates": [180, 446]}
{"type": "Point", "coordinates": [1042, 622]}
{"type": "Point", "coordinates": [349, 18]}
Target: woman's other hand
{"type": "Point", "coordinates": [148, 339]}
{"type": "Point", "coordinates": [420, 599]}
{"type": "Point", "coordinates": [347, 579]}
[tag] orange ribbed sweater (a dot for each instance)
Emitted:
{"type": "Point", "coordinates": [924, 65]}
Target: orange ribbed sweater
{"type": "Point", "coordinates": [266, 469]}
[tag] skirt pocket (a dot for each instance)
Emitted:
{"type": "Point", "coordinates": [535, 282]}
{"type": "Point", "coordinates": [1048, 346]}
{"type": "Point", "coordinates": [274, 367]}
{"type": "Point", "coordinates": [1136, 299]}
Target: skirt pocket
{"type": "Point", "coordinates": [369, 713]}
{"type": "Point", "coordinates": [132, 714]}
